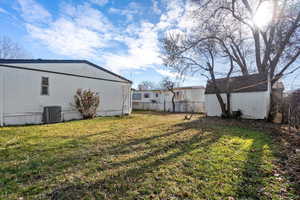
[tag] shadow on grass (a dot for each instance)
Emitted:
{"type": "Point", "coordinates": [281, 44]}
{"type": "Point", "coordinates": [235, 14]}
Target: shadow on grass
{"type": "Point", "coordinates": [131, 172]}
{"type": "Point", "coordinates": [117, 186]}
{"type": "Point", "coordinates": [254, 174]}
{"type": "Point", "coordinates": [256, 169]}
{"type": "Point", "coordinates": [46, 163]}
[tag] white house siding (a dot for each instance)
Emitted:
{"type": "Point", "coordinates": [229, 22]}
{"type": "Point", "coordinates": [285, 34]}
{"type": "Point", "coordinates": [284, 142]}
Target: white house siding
{"type": "Point", "coordinates": [189, 100]}
{"type": "Point", "coordinates": [21, 101]}
{"type": "Point", "coordinates": [80, 68]}
{"type": "Point", "coordinates": [254, 105]}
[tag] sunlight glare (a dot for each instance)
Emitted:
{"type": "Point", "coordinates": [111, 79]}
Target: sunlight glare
{"type": "Point", "coordinates": [263, 15]}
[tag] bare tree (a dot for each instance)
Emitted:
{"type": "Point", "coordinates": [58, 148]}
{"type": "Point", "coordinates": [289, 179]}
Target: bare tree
{"type": "Point", "coordinates": [169, 85]}
{"type": "Point", "coordinates": [11, 50]}
{"type": "Point", "coordinates": [147, 85]}
{"type": "Point", "coordinates": [268, 29]}
{"type": "Point", "coordinates": [189, 56]}
{"type": "Point", "coordinates": [227, 38]}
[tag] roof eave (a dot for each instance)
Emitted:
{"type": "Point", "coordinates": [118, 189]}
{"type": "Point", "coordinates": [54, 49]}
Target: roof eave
{"type": "Point", "coordinates": [18, 61]}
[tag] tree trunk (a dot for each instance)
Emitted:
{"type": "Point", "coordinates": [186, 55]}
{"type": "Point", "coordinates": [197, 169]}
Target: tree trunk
{"type": "Point", "coordinates": [221, 102]}
{"type": "Point", "coordinates": [218, 94]}
{"type": "Point", "coordinates": [228, 110]}
{"type": "Point", "coordinates": [173, 102]}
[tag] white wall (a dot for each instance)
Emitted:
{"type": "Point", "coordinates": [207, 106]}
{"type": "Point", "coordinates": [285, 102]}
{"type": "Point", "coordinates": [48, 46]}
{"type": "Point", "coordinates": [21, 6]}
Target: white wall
{"type": "Point", "coordinates": [192, 100]}
{"type": "Point", "coordinates": [23, 102]}
{"type": "Point", "coordinates": [151, 97]}
{"type": "Point", "coordinates": [82, 69]}
{"type": "Point", "coordinates": [254, 105]}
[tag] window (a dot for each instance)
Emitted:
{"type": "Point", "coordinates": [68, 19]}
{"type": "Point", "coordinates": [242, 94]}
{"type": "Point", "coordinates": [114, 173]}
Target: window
{"type": "Point", "coordinates": [146, 95]}
{"type": "Point", "coordinates": [45, 86]}
{"type": "Point", "coordinates": [137, 96]}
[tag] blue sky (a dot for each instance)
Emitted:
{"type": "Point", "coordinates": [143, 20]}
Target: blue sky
{"type": "Point", "coordinates": [120, 35]}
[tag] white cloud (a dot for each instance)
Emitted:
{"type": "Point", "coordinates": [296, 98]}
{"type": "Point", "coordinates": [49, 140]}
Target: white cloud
{"type": "Point", "coordinates": [155, 7]}
{"type": "Point", "coordinates": [186, 21]}
{"type": "Point", "coordinates": [87, 17]}
{"type": "Point", "coordinates": [142, 41]}
{"type": "Point", "coordinates": [174, 10]}
{"type": "Point", "coordinates": [167, 73]}
{"type": "Point", "coordinates": [3, 11]}
{"type": "Point", "coordinates": [187, 80]}
{"type": "Point", "coordinates": [99, 2]}
{"type": "Point", "coordinates": [142, 51]}
{"type": "Point", "coordinates": [83, 31]}
{"type": "Point", "coordinates": [79, 32]}
{"type": "Point", "coordinates": [133, 9]}
{"type": "Point", "coordinates": [65, 38]}
{"type": "Point", "coordinates": [31, 11]}
{"type": "Point", "coordinates": [177, 15]}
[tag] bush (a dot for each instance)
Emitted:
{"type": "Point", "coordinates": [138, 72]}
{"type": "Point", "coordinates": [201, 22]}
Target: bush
{"type": "Point", "coordinates": [86, 102]}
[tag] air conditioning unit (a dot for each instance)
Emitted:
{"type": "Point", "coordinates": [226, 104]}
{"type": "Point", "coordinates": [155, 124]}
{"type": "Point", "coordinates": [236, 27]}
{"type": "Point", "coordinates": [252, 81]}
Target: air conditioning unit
{"type": "Point", "coordinates": [52, 114]}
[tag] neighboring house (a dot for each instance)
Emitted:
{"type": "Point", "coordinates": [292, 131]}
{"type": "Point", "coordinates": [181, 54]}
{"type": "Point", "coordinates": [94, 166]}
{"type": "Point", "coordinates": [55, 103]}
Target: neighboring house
{"type": "Point", "coordinates": [29, 87]}
{"type": "Point", "coordinates": [251, 94]}
{"type": "Point", "coordinates": [187, 99]}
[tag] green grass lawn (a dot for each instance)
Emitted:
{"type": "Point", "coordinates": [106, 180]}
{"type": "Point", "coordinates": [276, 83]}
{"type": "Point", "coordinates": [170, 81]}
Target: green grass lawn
{"type": "Point", "coordinates": [142, 156]}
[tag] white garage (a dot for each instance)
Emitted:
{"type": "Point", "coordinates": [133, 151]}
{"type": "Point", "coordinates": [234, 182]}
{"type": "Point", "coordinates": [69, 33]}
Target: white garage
{"type": "Point", "coordinates": [27, 87]}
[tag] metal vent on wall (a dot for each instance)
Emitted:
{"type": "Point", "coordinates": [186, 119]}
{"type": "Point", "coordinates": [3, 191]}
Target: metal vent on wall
{"type": "Point", "coordinates": [52, 114]}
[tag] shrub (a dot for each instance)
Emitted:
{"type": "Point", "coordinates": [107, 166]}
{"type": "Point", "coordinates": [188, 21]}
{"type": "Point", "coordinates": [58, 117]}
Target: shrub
{"type": "Point", "coordinates": [86, 102]}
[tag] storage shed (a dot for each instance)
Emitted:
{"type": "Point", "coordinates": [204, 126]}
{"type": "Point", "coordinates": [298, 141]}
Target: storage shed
{"type": "Point", "coordinates": [29, 88]}
{"type": "Point", "coordinates": [250, 94]}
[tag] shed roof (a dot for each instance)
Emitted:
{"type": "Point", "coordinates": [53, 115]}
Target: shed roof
{"type": "Point", "coordinates": [249, 83]}
{"type": "Point", "coordinates": [15, 61]}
